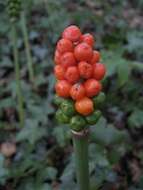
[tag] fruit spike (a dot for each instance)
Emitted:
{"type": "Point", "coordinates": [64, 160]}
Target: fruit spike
{"type": "Point", "coordinates": [14, 8]}
{"type": "Point", "coordinates": [78, 70]}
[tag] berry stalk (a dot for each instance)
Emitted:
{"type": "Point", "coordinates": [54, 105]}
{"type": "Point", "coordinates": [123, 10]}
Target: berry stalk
{"type": "Point", "coordinates": [81, 161]}
{"type": "Point", "coordinates": [14, 8]}
{"type": "Point", "coordinates": [27, 47]}
{"type": "Point", "coordinates": [17, 75]}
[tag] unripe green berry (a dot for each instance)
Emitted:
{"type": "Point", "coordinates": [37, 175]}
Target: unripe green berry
{"type": "Point", "coordinates": [99, 100]}
{"type": "Point", "coordinates": [14, 8]}
{"type": "Point", "coordinates": [94, 117]}
{"type": "Point", "coordinates": [61, 117]}
{"type": "Point", "coordinates": [68, 108]}
{"type": "Point", "coordinates": [77, 123]}
{"type": "Point", "coordinates": [58, 100]}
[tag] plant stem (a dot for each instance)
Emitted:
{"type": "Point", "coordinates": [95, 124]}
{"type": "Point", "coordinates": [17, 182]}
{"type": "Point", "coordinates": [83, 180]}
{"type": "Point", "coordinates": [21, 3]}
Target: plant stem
{"type": "Point", "coordinates": [27, 47]}
{"type": "Point", "coordinates": [81, 160]}
{"type": "Point", "coordinates": [17, 75]}
{"type": "Point", "coordinates": [137, 65]}
{"type": "Point", "coordinates": [46, 5]}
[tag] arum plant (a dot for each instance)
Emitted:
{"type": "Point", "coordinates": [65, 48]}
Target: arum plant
{"type": "Point", "coordinates": [14, 11]}
{"type": "Point", "coordinates": [78, 93]}
{"type": "Point", "coordinates": [27, 47]}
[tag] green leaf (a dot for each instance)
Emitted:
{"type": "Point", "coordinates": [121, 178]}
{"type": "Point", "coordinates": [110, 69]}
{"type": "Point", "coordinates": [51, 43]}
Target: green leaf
{"type": "Point", "coordinates": [69, 171]}
{"type": "Point", "coordinates": [3, 171]}
{"type": "Point", "coordinates": [27, 184]}
{"type": "Point", "coordinates": [40, 80]}
{"type": "Point", "coordinates": [7, 102]}
{"type": "Point", "coordinates": [135, 43]}
{"type": "Point", "coordinates": [110, 62]}
{"type": "Point", "coordinates": [135, 120]}
{"type": "Point", "coordinates": [6, 62]}
{"type": "Point", "coordinates": [68, 175]}
{"type": "Point", "coordinates": [97, 155]}
{"type": "Point", "coordinates": [106, 134]}
{"type": "Point", "coordinates": [123, 71]}
{"type": "Point", "coordinates": [31, 132]}
{"type": "Point", "coordinates": [61, 134]}
{"type": "Point", "coordinates": [45, 186]}
{"type": "Point", "coordinates": [48, 173]}
{"type": "Point", "coordinates": [115, 63]}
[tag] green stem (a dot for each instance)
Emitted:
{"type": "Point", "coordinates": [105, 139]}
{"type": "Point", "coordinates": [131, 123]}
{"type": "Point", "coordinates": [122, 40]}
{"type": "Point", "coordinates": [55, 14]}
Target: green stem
{"type": "Point", "coordinates": [81, 160]}
{"type": "Point", "coordinates": [17, 75]}
{"type": "Point", "coordinates": [27, 47]}
{"type": "Point", "coordinates": [46, 5]}
{"type": "Point", "coordinates": [137, 65]}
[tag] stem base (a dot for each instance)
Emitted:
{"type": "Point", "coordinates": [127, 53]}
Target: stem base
{"type": "Point", "coordinates": [81, 159]}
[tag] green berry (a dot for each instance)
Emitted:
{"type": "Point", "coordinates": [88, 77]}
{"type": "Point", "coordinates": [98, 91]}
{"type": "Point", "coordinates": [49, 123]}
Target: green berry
{"type": "Point", "coordinates": [99, 99]}
{"type": "Point", "coordinates": [14, 8]}
{"type": "Point", "coordinates": [68, 108]}
{"type": "Point", "coordinates": [61, 117]}
{"type": "Point", "coordinates": [57, 100]}
{"type": "Point", "coordinates": [77, 123]}
{"type": "Point", "coordinates": [94, 117]}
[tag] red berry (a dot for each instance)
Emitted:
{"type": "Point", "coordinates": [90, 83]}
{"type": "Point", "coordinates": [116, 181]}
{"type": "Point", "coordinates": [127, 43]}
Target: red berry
{"type": "Point", "coordinates": [88, 38]}
{"type": "Point", "coordinates": [77, 91]}
{"type": "Point", "coordinates": [64, 45]}
{"type": "Point", "coordinates": [72, 74]}
{"type": "Point", "coordinates": [59, 72]}
{"type": "Point", "coordinates": [99, 71]}
{"type": "Point", "coordinates": [62, 88]}
{"type": "Point", "coordinates": [57, 57]}
{"type": "Point", "coordinates": [83, 52]}
{"type": "Point", "coordinates": [92, 87]}
{"type": "Point", "coordinates": [96, 57]}
{"type": "Point", "coordinates": [72, 33]}
{"type": "Point", "coordinates": [85, 70]}
{"type": "Point", "coordinates": [67, 60]}
{"type": "Point", "coordinates": [84, 106]}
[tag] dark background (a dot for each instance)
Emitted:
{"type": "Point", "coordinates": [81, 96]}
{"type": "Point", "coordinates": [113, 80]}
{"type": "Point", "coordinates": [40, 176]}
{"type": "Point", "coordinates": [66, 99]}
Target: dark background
{"type": "Point", "coordinates": [43, 158]}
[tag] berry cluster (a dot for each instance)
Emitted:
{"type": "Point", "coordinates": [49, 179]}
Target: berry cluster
{"type": "Point", "coordinates": [14, 8]}
{"type": "Point", "coordinates": [78, 70]}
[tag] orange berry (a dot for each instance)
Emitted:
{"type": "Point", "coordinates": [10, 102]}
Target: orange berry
{"type": "Point", "coordinates": [99, 71]}
{"type": "Point", "coordinates": [72, 74]}
{"type": "Point", "coordinates": [62, 88]}
{"type": "Point", "coordinates": [83, 52]}
{"type": "Point", "coordinates": [96, 57]}
{"type": "Point", "coordinates": [88, 38]}
{"type": "Point", "coordinates": [72, 33]}
{"type": "Point", "coordinates": [84, 106]}
{"type": "Point", "coordinates": [92, 87]}
{"type": "Point", "coordinates": [85, 70]}
{"type": "Point", "coordinates": [59, 72]}
{"type": "Point", "coordinates": [77, 91]}
{"type": "Point", "coordinates": [64, 45]}
{"type": "Point", "coordinates": [67, 60]}
{"type": "Point", "coordinates": [57, 57]}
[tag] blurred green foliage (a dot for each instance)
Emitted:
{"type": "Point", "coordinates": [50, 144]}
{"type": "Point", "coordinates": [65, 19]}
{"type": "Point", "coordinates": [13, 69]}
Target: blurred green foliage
{"type": "Point", "coordinates": [44, 158]}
